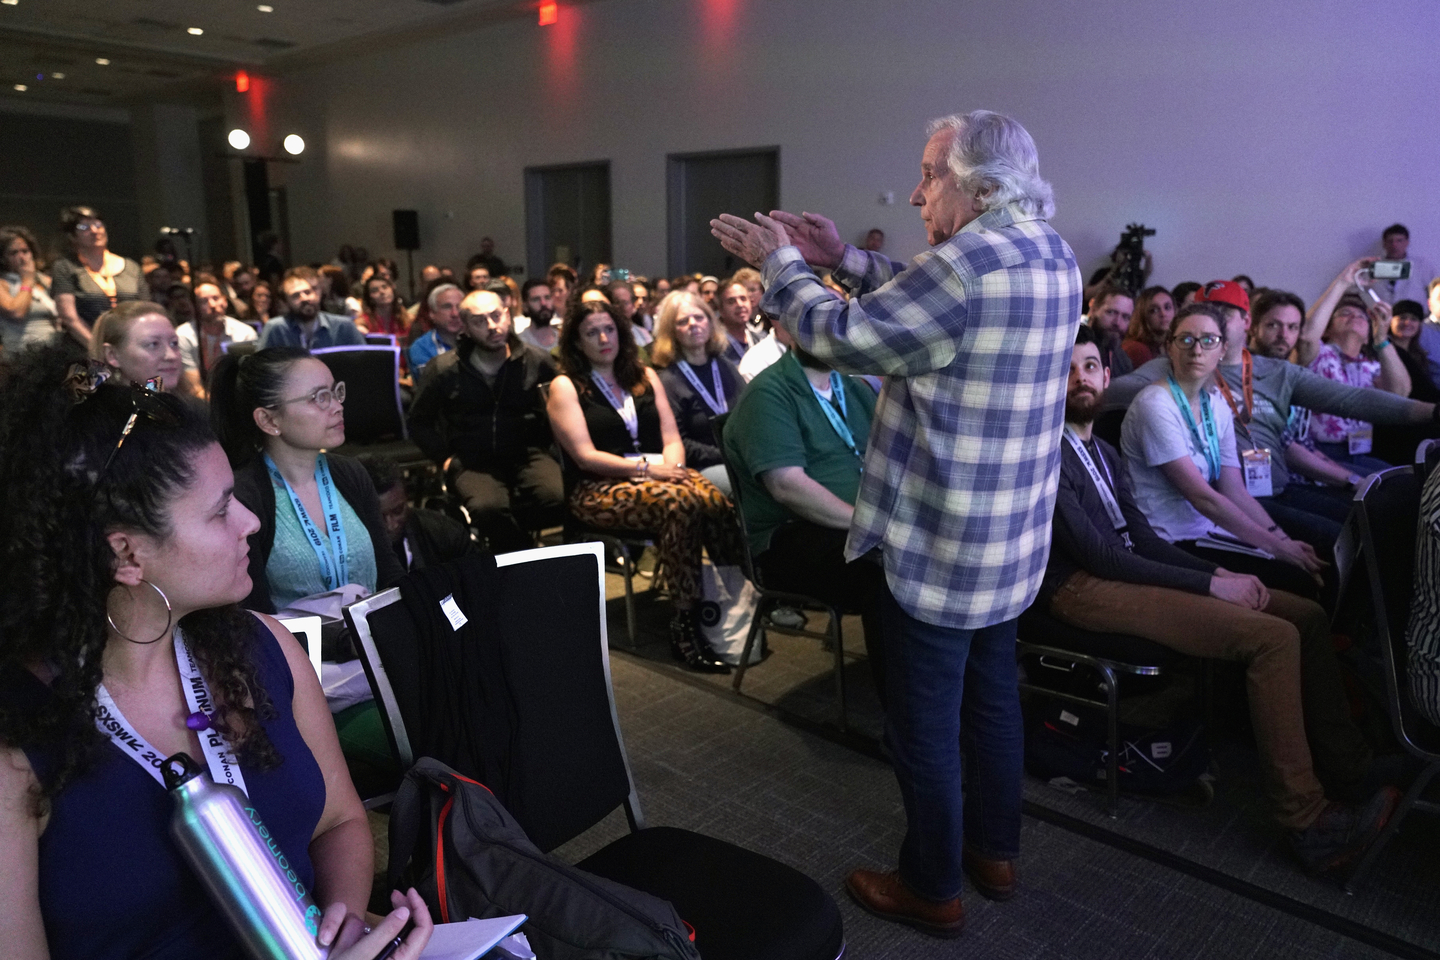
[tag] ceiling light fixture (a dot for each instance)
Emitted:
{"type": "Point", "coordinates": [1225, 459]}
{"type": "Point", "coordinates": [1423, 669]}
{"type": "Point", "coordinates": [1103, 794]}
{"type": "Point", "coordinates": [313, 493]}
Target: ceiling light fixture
{"type": "Point", "coordinates": [11, 3]}
{"type": "Point", "coordinates": [239, 139]}
{"type": "Point", "coordinates": [57, 76]}
{"type": "Point", "coordinates": [194, 31]}
{"type": "Point", "coordinates": [549, 12]}
{"type": "Point", "coordinates": [294, 145]}
{"type": "Point", "coordinates": [102, 61]}
{"type": "Point", "coordinates": [263, 8]}
{"type": "Point", "coordinates": [21, 88]}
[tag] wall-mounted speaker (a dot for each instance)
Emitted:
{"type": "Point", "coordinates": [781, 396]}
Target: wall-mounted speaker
{"type": "Point", "coordinates": [407, 230]}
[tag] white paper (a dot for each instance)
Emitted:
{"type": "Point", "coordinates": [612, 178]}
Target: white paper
{"type": "Point", "coordinates": [453, 613]}
{"type": "Point", "coordinates": [468, 939]}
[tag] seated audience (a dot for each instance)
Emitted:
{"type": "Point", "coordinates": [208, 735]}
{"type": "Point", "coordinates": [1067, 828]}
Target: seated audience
{"type": "Point", "coordinates": [203, 339]}
{"type": "Point", "coordinates": [1109, 315]}
{"type": "Point", "coordinates": [1183, 294]}
{"type": "Point", "coordinates": [562, 280]}
{"type": "Point", "coordinates": [622, 295]}
{"type": "Point", "coordinates": [1149, 326]}
{"type": "Point", "coordinates": [126, 543]}
{"type": "Point", "coordinates": [420, 538]}
{"type": "Point", "coordinates": [239, 286]}
{"type": "Point", "coordinates": [303, 323]}
{"type": "Point", "coordinates": [382, 311]}
{"type": "Point", "coordinates": [90, 279]}
{"type": "Point", "coordinates": [735, 312]}
{"type": "Point", "coordinates": [626, 464]}
{"type": "Point", "coordinates": [477, 274]}
{"type": "Point", "coordinates": [797, 444]}
{"type": "Point", "coordinates": [1418, 345]}
{"type": "Point", "coordinates": [1245, 283]}
{"type": "Point", "coordinates": [138, 343]}
{"type": "Point", "coordinates": [644, 305]}
{"type": "Point", "coordinates": [487, 258]}
{"type": "Point", "coordinates": [27, 312]}
{"type": "Point", "coordinates": [276, 412]}
{"type": "Point", "coordinates": [770, 348]}
{"type": "Point", "coordinates": [659, 289]}
{"type": "Point", "coordinates": [1110, 572]}
{"type": "Point", "coordinates": [709, 289]}
{"type": "Point", "coordinates": [699, 380]}
{"type": "Point", "coordinates": [478, 414]}
{"type": "Point", "coordinates": [540, 333]}
{"type": "Point", "coordinates": [1179, 441]}
{"type": "Point", "coordinates": [180, 304]}
{"type": "Point", "coordinates": [334, 290]}
{"type": "Point", "coordinates": [262, 304]}
{"type": "Point", "coordinates": [443, 316]}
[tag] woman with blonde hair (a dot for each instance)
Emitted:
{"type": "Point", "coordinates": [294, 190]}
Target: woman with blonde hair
{"type": "Point", "coordinates": [139, 342]}
{"type": "Point", "coordinates": [699, 379]}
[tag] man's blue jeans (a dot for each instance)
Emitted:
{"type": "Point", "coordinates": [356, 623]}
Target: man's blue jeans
{"type": "Point", "coordinates": [952, 692]}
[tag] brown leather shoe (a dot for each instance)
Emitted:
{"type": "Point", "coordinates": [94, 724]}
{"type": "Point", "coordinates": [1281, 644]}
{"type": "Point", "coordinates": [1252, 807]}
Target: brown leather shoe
{"type": "Point", "coordinates": [993, 879]}
{"type": "Point", "coordinates": [886, 896]}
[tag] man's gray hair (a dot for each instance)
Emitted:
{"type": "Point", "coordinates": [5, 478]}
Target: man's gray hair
{"type": "Point", "coordinates": [434, 297]}
{"type": "Point", "coordinates": [995, 153]}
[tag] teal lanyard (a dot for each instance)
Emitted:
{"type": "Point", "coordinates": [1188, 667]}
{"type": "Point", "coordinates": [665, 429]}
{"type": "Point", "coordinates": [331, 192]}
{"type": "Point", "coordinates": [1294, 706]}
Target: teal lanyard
{"type": "Point", "coordinates": [334, 562]}
{"type": "Point", "coordinates": [837, 418]}
{"type": "Point", "coordinates": [1209, 444]}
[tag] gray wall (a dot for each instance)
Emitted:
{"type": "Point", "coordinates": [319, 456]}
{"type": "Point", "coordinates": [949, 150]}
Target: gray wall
{"type": "Point", "coordinates": [1259, 137]}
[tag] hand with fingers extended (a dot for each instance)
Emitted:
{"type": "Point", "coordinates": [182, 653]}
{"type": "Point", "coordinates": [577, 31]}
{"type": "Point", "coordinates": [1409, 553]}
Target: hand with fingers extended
{"type": "Point", "coordinates": [815, 236]}
{"type": "Point", "coordinates": [751, 242]}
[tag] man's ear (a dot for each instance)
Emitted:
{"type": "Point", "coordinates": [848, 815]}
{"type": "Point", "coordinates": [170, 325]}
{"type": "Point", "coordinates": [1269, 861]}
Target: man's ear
{"type": "Point", "coordinates": [1106, 380]}
{"type": "Point", "coordinates": [128, 568]}
{"type": "Point", "coordinates": [265, 420]}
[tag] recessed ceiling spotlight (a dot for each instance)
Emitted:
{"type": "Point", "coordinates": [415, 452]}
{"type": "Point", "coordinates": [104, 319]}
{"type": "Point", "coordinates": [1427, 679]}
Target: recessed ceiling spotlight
{"type": "Point", "coordinates": [239, 139]}
{"type": "Point", "coordinates": [263, 8]}
{"type": "Point", "coordinates": [21, 88]}
{"type": "Point", "coordinates": [102, 61]}
{"type": "Point", "coordinates": [11, 3]}
{"type": "Point", "coordinates": [194, 31]}
{"type": "Point", "coordinates": [294, 145]}
{"type": "Point", "coordinates": [57, 76]}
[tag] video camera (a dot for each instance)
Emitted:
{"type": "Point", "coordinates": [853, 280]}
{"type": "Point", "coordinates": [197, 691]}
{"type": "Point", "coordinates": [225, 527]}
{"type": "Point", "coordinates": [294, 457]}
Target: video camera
{"type": "Point", "coordinates": [1129, 270]}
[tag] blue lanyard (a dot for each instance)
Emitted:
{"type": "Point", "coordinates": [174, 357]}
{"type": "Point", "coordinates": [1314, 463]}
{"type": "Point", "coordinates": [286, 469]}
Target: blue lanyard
{"type": "Point", "coordinates": [837, 418]}
{"type": "Point", "coordinates": [334, 561]}
{"type": "Point", "coordinates": [1209, 445]}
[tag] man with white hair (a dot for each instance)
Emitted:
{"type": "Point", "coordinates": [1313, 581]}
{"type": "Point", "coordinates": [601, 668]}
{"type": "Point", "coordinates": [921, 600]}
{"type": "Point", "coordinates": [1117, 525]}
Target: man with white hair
{"type": "Point", "coordinates": [974, 339]}
{"type": "Point", "coordinates": [445, 327]}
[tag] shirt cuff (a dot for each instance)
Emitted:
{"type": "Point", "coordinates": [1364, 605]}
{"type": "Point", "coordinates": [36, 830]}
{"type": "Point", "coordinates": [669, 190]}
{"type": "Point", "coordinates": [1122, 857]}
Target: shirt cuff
{"type": "Point", "coordinates": [854, 265]}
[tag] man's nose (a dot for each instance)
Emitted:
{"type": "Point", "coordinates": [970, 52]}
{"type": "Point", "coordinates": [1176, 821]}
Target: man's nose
{"type": "Point", "coordinates": [917, 199]}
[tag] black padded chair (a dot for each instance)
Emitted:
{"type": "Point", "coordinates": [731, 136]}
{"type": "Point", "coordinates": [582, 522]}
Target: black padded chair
{"type": "Point", "coordinates": [771, 599]}
{"type": "Point", "coordinates": [1387, 508]}
{"type": "Point", "coordinates": [1046, 644]}
{"type": "Point", "coordinates": [1427, 455]}
{"type": "Point", "coordinates": [374, 416]}
{"type": "Point", "coordinates": [1108, 426]}
{"type": "Point", "coordinates": [562, 766]}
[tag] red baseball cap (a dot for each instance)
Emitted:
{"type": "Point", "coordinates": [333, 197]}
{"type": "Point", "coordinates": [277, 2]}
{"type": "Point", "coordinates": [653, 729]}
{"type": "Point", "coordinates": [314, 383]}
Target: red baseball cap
{"type": "Point", "coordinates": [1227, 292]}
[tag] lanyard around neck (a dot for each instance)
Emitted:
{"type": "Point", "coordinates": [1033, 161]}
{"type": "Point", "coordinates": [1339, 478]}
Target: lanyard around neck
{"type": "Point", "coordinates": [332, 553]}
{"type": "Point", "coordinates": [1247, 381]}
{"type": "Point", "coordinates": [625, 408]}
{"type": "Point", "coordinates": [838, 418]}
{"type": "Point", "coordinates": [219, 754]}
{"type": "Point", "coordinates": [1104, 485]}
{"type": "Point", "coordinates": [715, 401]}
{"type": "Point", "coordinates": [1209, 444]}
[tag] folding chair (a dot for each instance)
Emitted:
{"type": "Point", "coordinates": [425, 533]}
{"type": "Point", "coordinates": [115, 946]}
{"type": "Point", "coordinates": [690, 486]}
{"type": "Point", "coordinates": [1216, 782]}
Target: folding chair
{"type": "Point", "coordinates": [1427, 454]}
{"type": "Point", "coordinates": [770, 599]}
{"type": "Point", "coordinates": [374, 415]}
{"type": "Point", "coordinates": [564, 768]}
{"type": "Point", "coordinates": [1044, 643]}
{"type": "Point", "coordinates": [1387, 508]}
{"type": "Point", "coordinates": [309, 628]}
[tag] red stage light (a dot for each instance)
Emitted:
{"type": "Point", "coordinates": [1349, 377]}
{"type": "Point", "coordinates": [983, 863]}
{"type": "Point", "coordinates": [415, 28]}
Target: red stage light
{"type": "Point", "coordinates": [242, 81]}
{"type": "Point", "coordinates": [549, 12]}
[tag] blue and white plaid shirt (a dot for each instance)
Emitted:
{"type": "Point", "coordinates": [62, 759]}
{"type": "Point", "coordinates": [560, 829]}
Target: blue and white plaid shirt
{"type": "Point", "coordinates": [964, 455]}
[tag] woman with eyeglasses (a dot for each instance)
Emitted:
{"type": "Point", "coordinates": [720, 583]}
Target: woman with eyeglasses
{"type": "Point", "coordinates": [276, 412]}
{"type": "Point", "coordinates": [128, 559]}
{"type": "Point", "coordinates": [625, 464]}
{"type": "Point", "coordinates": [700, 381]}
{"type": "Point", "coordinates": [92, 279]}
{"type": "Point", "coordinates": [1179, 441]}
{"type": "Point", "coordinates": [139, 343]}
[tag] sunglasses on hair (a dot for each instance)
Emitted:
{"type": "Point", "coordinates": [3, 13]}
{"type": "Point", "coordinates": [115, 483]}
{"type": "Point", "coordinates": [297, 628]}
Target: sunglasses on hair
{"type": "Point", "coordinates": [144, 402]}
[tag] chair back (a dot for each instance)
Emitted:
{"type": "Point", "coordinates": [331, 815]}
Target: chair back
{"type": "Point", "coordinates": [562, 766]}
{"type": "Point", "coordinates": [717, 424]}
{"type": "Point", "coordinates": [1427, 455]}
{"type": "Point", "coordinates": [373, 411]}
{"type": "Point", "coordinates": [382, 340]}
{"type": "Point", "coordinates": [239, 347]}
{"type": "Point", "coordinates": [308, 629]}
{"type": "Point", "coordinates": [1388, 508]}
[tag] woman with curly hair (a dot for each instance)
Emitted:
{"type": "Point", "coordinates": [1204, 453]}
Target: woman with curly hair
{"type": "Point", "coordinates": [626, 463]}
{"type": "Point", "coordinates": [125, 557]}
{"type": "Point", "coordinates": [1149, 326]}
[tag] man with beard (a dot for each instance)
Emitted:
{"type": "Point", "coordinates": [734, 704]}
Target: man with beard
{"type": "Point", "coordinates": [478, 414]}
{"type": "Point", "coordinates": [796, 442]}
{"type": "Point", "coordinates": [1110, 572]}
{"type": "Point", "coordinates": [1110, 312]}
{"type": "Point", "coordinates": [541, 333]}
{"type": "Point", "coordinates": [304, 324]}
{"type": "Point", "coordinates": [735, 312]}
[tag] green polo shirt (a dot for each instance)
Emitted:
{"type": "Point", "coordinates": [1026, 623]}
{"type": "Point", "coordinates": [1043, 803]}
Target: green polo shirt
{"type": "Point", "coordinates": [777, 422]}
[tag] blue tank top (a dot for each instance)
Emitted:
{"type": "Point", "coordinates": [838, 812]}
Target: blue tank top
{"type": "Point", "coordinates": [112, 883]}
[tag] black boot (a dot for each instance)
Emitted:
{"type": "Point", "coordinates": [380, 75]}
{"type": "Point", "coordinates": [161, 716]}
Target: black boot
{"type": "Point", "coordinates": [690, 648]}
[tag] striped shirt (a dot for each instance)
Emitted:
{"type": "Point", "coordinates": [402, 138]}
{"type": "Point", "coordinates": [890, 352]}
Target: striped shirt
{"type": "Point", "coordinates": [964, 456]}
{"type": "Point", "coordinates": [1423, 635]}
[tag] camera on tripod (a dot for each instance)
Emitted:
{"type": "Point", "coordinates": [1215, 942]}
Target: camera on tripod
{"type": "Point", "coordinates": [1129, 270]}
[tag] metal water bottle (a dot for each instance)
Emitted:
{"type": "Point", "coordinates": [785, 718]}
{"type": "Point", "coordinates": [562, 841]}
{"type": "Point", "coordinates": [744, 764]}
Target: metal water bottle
{"type": "Point", "coordinates": [242, 867]}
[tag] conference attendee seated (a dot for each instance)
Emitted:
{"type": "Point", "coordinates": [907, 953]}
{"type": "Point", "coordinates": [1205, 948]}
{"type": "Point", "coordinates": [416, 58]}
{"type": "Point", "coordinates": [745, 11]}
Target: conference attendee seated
{"type": "Point", "coordinates": [304, 324]}
{"type": "Point", "coordinates": [137, 341]}
{"type": "Point", "coordinates": [203, 340]}
{"type": "Point", "coordinates": [796, 441]}
{"type": "Point", "coordinates": [420, 538]}
{"type": "Point", "coordinates": [1423, 633]}
{"type": "Point", "coordinates": [541, 333]}
{"type": "Point", "coordinates": [626, 464]}
{"type": "Point", "coordinates": [443, 316]}
{"type": "Point", "coordinates": [1272, 401]}
{"type": "Point", "coordinates": [478, 414]}
{"type": "Point", "coordinates": [276, 412]}
{"type": "Point", "coordinates": [382, 311]}
{"type": "Point", "coordinates": [1179, 441]}
{"type": "Point", "coordinates": [622, 294]}
{"type": "Point", "coordinates": [735, 312]}
{"type": "Point", "coordinates": [1149, 326]}
{"type": "Point", "coordinates": [1418, 345]}
{"type": "Point", "coordinates": [1110, 572]}
{"type": "Point", "coordinates": [1109, 315]}
{"type": "Point", "coordinates": [700, 381]}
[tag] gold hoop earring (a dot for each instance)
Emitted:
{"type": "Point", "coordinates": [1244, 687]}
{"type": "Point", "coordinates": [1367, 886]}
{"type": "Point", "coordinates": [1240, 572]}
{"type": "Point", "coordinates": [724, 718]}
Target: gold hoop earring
{"type": "Point", "coordinates": [169, 615]}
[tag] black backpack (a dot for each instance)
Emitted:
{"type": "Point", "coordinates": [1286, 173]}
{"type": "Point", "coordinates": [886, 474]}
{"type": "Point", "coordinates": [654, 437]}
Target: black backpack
{"type": "Point", "coordinates": [1070, 741]}
{"type": "Point", "coordinates": [475, 861]}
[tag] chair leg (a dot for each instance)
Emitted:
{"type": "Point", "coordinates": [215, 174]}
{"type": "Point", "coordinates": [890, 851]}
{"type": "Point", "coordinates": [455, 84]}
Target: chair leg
{"type": "Point", "coordinates": [1391, 828]}
{"type": "Point", "coordinates": [756, 622]}
{"type": "Point", "coordinates": [629, 595]}
{"type": "Point", "coordinates": [1112, 763]}
{"type": "Point", "coordinates": [838, 639]}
